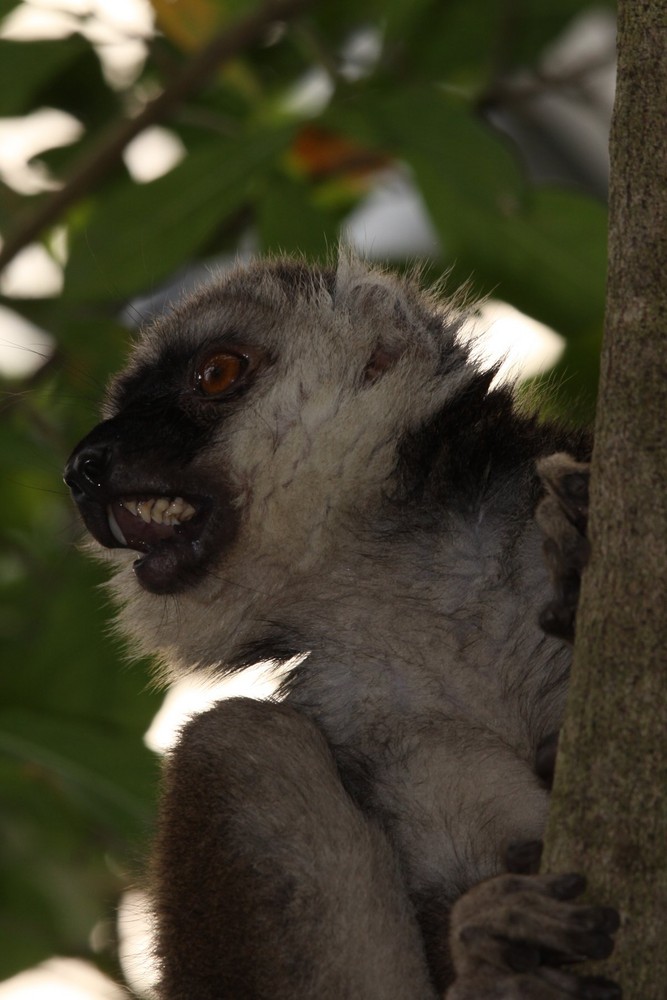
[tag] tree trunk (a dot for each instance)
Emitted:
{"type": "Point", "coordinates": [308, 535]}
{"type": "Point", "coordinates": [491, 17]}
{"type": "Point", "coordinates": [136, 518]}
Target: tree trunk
{"type": "Point", "coordinates": [609, 811]}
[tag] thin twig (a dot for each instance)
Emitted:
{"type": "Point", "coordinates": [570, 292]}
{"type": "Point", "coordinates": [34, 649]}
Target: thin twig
{"type": "Point", "coordinates": [93, 167]}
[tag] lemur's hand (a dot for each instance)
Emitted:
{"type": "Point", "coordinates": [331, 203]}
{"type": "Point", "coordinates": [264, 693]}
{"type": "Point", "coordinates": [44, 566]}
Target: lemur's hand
{"type": "Point", "coordinates": [563, 517]}
{"type": "Point", "coordinates": [513, 936]}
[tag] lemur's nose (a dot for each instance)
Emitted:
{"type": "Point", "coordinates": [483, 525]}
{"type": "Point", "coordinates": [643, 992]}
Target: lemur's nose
{"type": "Point", "coordinates": [86, 470]}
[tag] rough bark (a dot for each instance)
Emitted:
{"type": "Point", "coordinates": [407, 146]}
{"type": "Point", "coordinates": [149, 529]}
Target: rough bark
{"type": "Point", "coordinates": [609, 811]}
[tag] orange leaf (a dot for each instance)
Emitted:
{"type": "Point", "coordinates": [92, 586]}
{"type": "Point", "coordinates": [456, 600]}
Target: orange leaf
{"type": "Point", "coordinates": [188, 23]}
{"type": "Point", "coordinates": [320, 154]}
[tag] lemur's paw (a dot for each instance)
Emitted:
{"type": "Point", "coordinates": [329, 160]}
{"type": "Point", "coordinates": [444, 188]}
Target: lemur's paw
{"type": "Point", "coordinates": [563, 517]}
{"type": "Point", "coordinates": [511, 937]}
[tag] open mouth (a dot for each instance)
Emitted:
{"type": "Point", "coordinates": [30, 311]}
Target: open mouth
{"type": "Point", "coordinates": [166, 530]}
{"type": "Point", "coordinates": [143, 522]}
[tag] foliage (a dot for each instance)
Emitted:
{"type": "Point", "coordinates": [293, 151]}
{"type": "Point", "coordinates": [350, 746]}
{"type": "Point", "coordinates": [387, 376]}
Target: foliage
{"type": "Point", "coordinates": [75, 780]}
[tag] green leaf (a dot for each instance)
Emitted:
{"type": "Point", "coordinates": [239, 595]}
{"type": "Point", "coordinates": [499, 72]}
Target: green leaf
{"type": "Point", "coordinates": [546, 256]}
{"type": "Point", "coordinates": [51, 868]}
{"type": "Point", "coordinates": [471, 42]}
{"type": "Point", "coordinates": [551, 259]}
{"type": "Point", "coordinates": [530, 27]}
{"type": "Point", "coordinates": [77, 783]}
{"type": "Point", "coordinates": [108, 777]}
{"type": "Point", "coordinates": [56, 618]}
{"type": "Point", "coordinates": [138, 234]}
{"type": "Point", "coordinates": [290, 221]}
{"type": "Point", "coordinates": [455, 41]}
{"type": "Point", "coordinates": [442, 138]}
{"type": "Point", "coordinates": [6, 6]}
{"type": "Point", "coordinates": [542, 249]}
{"type": "Point", "coordinates": [73, 795]}
{"type": "Point", "coordinates": [27, 67]}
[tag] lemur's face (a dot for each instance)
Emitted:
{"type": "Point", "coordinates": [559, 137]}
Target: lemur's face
{"type": "Point", "coordinates": [254, 435]}
{"type": "Point", "coordinates": [138, 479]}
{"type": "Point", "coordinates": [179, 458]}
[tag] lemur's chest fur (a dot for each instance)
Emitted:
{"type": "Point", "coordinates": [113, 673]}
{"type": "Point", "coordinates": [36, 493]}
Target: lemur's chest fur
{"type": "Point", "coordinates": [435, 698]}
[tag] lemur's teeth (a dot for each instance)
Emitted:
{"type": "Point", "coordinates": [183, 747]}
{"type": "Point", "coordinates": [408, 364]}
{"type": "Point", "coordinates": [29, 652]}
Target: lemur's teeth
{"type": "Point", "coordinates": [115, 530]}
{"type": "Point", "coordinates": [161, 510]}
{"type": "Point", "coordinates": [159, 507]}
{"type": "Point", "coordinates": [145, 509]}
{"type": "Point", "coordinates": [179, 510]}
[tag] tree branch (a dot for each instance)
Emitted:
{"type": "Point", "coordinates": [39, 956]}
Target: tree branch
{"type": "Point", "coordinates": [93, 167]}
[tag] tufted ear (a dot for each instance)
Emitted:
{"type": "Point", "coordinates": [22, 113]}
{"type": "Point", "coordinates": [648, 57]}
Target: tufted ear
{"type": "Point", "coordinates": [379, 362]}
{"type": "Point", "coordinates": [381, 302]}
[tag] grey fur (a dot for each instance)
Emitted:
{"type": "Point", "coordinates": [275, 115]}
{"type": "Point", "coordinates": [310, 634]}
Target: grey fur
{"type": "Point", "coordinates": [402, 760]}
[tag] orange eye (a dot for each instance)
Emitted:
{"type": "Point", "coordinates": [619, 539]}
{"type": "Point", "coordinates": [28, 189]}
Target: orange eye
{"type": "Point", "coordinates": [220, 372]}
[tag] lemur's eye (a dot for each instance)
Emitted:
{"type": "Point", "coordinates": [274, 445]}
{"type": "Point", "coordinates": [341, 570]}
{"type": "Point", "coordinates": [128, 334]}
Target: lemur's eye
{"type": "Point", "coordinates": [220, 372]}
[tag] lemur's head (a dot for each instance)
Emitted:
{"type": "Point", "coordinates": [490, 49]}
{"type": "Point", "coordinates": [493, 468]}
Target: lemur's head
{"type": "Point", "coordinates": [259, 422]}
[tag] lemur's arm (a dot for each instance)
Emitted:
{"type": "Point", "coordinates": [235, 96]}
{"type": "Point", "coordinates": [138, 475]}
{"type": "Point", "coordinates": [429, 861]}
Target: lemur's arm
{"type": "Point", "coordinates": [269, 882]}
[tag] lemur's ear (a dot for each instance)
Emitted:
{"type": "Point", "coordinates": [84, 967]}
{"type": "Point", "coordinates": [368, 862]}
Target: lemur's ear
{"type": "Point", "coordinates": [377, 302]}
{"type": "Point", "coordinates": [379, 362]}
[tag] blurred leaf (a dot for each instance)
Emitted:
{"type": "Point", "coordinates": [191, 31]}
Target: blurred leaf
{"type": "Point", "coordinates": [439, 135]}
{"type": "Point", "coordinates": [76, 782]}
{"type": "Point", "coordinates": [140, 233]}
{"type": "Point", "coordinates": [320, 153]}
{"type": "Point", "coordinates": [57, 624]}
{"type": "Point", "coordinates": [51, 869]}
{"type": "Point", "coordinates": [290, 221]}
{"type": "Point", "coordinates": [336, 22]}
{"type": "Point", "coordinates": [70, 794]}
{"type": "Point", "coordinates": [446, 41]}
{"type": "Point", "coordinates": [11, 203]}
{"type": "Point", "coordinates": [6, 6]}
{"type": "Point", "coordinates": [471, 42]}
{"type": "Point", "coordinates": [80, 88]}
{"type": "Point", "coordinates": [527, 251]}
{"type": "Point", "coordinates": [110, 779]}
{"type": "Point", "coordinates": [549, 260]}
{"type": "Point", "coordinates": [528, 28]}
{"type": "Point", "coordinates": [27, 67]}
{"type": "Point", "coordinates": [189, 25]}
{"type": "Point", "coordinates": [527, 246]}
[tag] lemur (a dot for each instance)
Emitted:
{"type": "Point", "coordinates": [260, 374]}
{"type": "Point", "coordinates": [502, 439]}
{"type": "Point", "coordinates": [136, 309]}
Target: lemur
{"type": "Point", "coordinates": [307, 465]}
